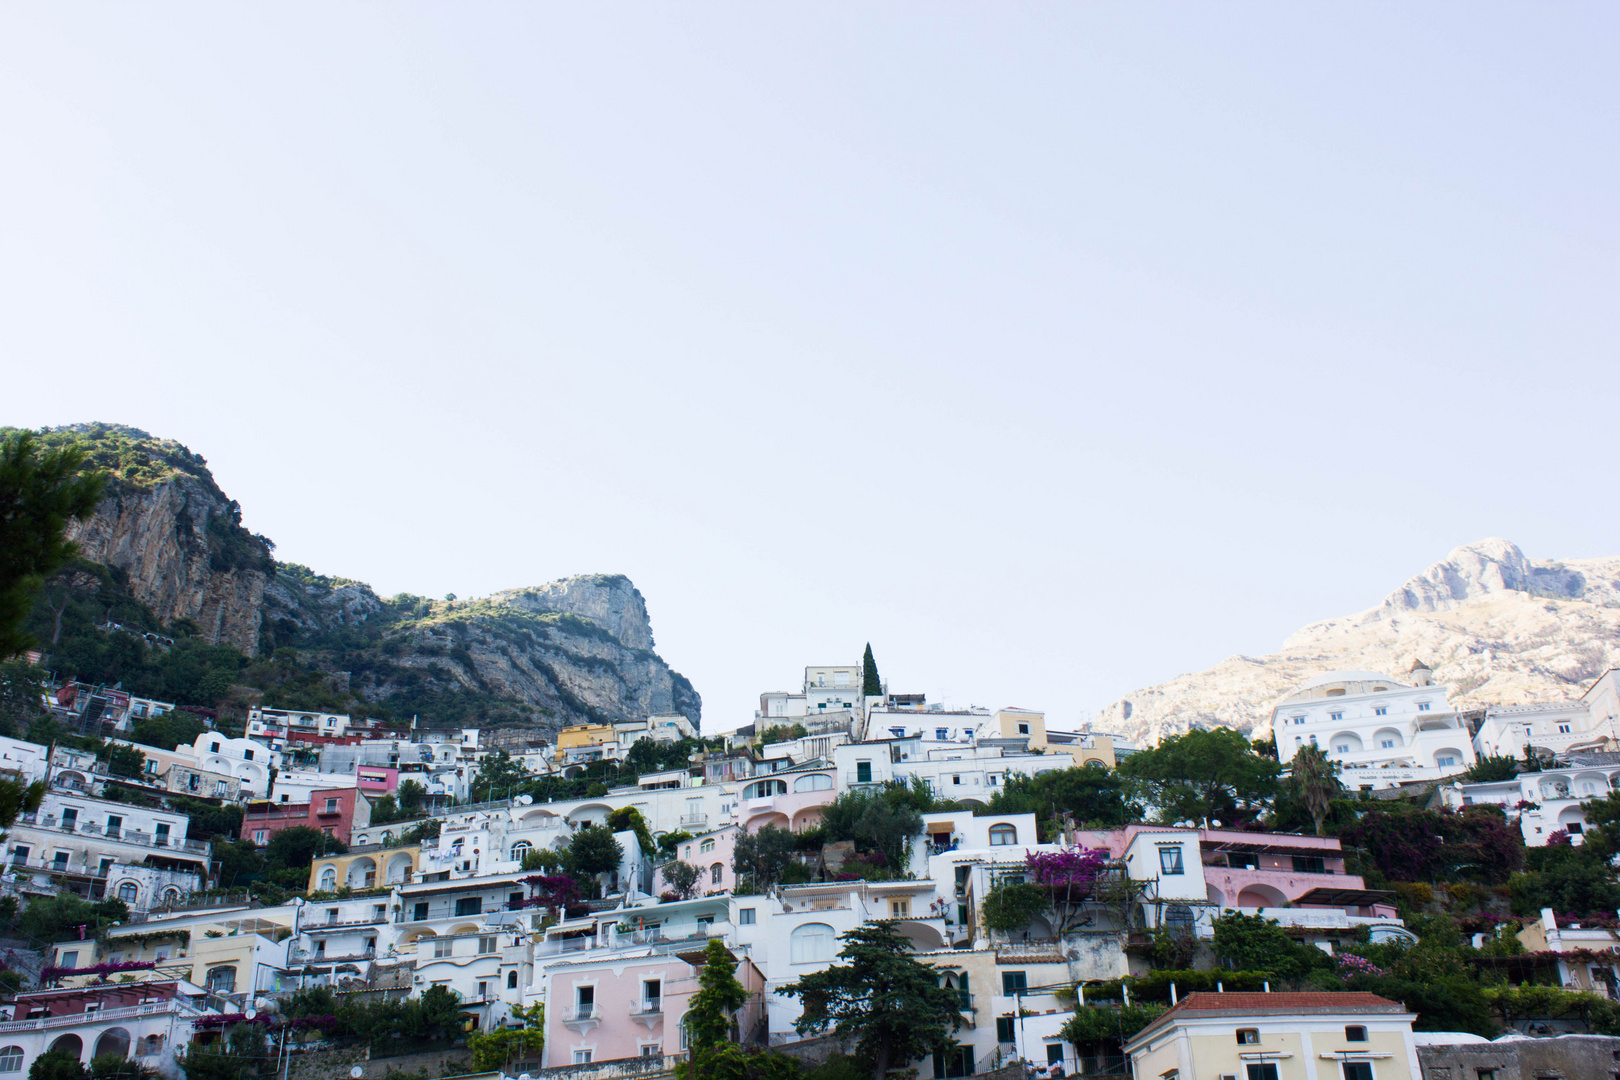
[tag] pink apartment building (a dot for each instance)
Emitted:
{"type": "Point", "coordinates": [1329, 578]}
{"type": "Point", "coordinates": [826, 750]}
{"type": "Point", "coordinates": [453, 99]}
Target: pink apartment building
{"type": "Point", "coordinates": [710, 852]}
{"type": "Point", "coordinates": [631, 1006]}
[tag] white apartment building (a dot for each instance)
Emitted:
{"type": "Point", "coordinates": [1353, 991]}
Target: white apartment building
{"type": "Point", "coordinates": [1589, 722]}
{"type": "Point", "coordinates": [1544, 802]}
{"type": "Point", "coordinates": [82, 844]}
{"type": "Point", "coordinates": [23, 761]}
{"type": "Point", "coordinates": [287, 723]}
{"type": "Point", "coordinates": [247, 760]}
{"type": "Point", "coordinates": [1380, 731]}
{"type": "Point", "coordinates": [973, 771]}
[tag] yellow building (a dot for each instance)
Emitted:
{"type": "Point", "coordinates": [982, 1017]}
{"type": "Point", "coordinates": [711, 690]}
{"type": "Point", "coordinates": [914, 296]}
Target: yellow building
{"type": "Point", "coordinates": [370, 866]}
{"type": "Point", "coordinates": [1092, 750]}
{"type": "Point", "coordinates": [1310, 1036]}
{"type": "Point", "coordinates": [238, 950]}
{"type": "Point", "coordinates": [1023, 724]}
{"type": "Point", "coordinates": [582, 736]}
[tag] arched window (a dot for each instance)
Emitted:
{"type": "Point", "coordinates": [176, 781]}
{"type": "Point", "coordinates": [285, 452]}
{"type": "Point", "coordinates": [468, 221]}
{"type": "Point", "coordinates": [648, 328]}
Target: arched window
{"type": "Point", "coordinates": [511, 980]}
{"type": "Point", "coordinates": [222, 980]}
{"type": "Point", "coordinates": [1002, 835]}
{"type": "Point", "coordinates": [11, 1059]}
{"type": "Point", "coordinates": [171, 895]}
{"type": "Point", "coordinates": [328, 879]}
{"type": "Point", "coordinates": [715, 872]}
{"type": "Point", "coordinates": [813, 782]}
{"type": "Point", "coordinates": [520, 849]}
{"type": "Point", "coordinates": [813, 943]}
{"type": "Point", "coordinates": [1178, 919]}
{"type": "Point", "coordinates": [152, 1044]}
{"type": "Point", "coordinates": [127, 892]}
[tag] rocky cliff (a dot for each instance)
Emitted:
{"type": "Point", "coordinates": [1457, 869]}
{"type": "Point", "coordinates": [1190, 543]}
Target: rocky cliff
{"type": "Point", "coordinates": [519, 663]}
{"type": "Point", "coordinates": [1495, 626]}
{"type": "Point", "coordinates": [168, 526]}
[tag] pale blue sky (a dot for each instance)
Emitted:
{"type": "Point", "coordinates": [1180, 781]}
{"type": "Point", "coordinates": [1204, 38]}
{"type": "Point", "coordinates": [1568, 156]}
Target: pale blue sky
{"type": "Point", "coordinates": [1055, 349]}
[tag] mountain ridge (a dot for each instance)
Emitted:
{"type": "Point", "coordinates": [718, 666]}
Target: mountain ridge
{"type": "Point", "coordinates": [1495, 626]}
{"type": "Point", "coordinates": [523, 660]}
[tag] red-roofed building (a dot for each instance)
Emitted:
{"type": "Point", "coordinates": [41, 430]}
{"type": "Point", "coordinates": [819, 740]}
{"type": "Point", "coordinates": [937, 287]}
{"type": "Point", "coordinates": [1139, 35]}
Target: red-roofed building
{"type": "Point", "coordinates": [1305, 1036]}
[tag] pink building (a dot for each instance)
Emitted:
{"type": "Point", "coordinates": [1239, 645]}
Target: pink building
{"type": "Point", "coordinates": [337, 812]}
{"type": "Point", "coordinates": [1266, 870]}
{"type": "Point", "coordinates": [375, 780]}
{"type": "Point", "coordinates": [631, 1007]}
{"type": "Point", "coordinates": [711, 853]}
{"type": "Point", "coordinates": [791, 801]}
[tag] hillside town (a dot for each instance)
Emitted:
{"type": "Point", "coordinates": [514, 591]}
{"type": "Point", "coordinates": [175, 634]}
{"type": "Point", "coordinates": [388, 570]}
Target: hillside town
{"type": "Point", "coordinates": [314, 885]}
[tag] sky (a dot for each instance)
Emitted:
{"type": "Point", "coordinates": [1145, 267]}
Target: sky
{"type": "Point", "coordinates": [1054, 349]}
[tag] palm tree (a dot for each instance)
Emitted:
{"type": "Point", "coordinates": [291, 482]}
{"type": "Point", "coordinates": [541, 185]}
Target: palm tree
{"type": "Point", "coordinates": [1314, 781]}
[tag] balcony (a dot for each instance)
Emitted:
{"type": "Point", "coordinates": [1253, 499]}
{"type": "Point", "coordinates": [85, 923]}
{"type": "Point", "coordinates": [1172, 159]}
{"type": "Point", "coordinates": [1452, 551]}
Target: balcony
{"type": "Point", "coordinates": [695, 819]}
{"type": "Point", "coordinates": [582, 1017]}
{"type": "Point", "coordinates": [304, 956]}
{"type": "Point", "coordinates": [116, 832]}
{"type": "Point", "coordinates": [132, 1012]}
{"type": "Point", "coordinates": [344, 924]}
{"type": "Point", "coordinates": [856, 778]}
{"type": "Point", "coordinates": [649, 1013]}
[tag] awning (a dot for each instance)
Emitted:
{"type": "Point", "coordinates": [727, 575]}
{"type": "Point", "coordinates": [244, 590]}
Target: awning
{"type": "Point", "coordinates": [1324, 896]}
{"type": "Point", "coordinates": [1261, 847]}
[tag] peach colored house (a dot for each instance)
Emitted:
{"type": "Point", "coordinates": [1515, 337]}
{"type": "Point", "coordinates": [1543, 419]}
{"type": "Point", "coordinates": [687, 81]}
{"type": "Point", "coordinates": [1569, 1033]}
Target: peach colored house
{"type": "Point", "coordinates": [631, 1006]}
{"type": "Point", "coordinates": [710, 852]}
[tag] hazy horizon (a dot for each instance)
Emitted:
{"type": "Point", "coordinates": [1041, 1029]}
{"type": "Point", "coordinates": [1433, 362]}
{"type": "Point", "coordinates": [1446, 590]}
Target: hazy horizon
{"type": "Point", "coordinates": [1054, 350]}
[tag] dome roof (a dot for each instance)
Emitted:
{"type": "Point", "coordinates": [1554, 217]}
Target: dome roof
{"type": "Point", "coordinates": [1307, 689]}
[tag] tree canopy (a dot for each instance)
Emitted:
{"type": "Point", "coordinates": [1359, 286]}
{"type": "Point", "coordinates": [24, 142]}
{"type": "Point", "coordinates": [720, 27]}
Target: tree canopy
{"type": "Point", "coordinates": [1203, 776]}
{"type": "Point", "coordinates": [41, 490]}
{"type": "Point", "coordinates": [871, 685]}
{"type": "Point", "coordinates": [892, 1005]}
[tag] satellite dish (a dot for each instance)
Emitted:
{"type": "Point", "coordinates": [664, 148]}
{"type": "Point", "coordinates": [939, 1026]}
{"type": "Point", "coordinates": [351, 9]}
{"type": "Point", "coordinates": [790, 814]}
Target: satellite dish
{"type": "Point", "coordinates": [357, 1072]}
{"type": "Point", "coordinates": [523, 1076]}
{"type": "Point", "coordinates": [251, 1014]}
{"type": "Point", "coordinates": [525, 800]}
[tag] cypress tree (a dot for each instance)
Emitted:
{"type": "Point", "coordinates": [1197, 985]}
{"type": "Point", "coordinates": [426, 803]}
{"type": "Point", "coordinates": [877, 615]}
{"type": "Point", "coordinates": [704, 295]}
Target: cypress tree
{"type": "Point", "coordinates": [871, 685]}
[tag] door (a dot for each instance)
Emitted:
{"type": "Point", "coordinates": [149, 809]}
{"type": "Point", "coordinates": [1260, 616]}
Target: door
{"type": "Point", "coordinates": [863, 772]}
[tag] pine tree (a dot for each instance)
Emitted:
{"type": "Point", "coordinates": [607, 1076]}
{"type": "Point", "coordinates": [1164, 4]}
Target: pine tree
{"type": "Point", "coordinates": [891, 1004]}
{"type": "Point", "coordinates": [871, 685]}
{"type": "Point", "coordinates": [710, 1028]}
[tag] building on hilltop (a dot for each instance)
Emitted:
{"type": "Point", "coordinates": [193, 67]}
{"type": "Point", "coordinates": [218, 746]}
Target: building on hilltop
{"type": "Point", "coordinates": [1380, 731]}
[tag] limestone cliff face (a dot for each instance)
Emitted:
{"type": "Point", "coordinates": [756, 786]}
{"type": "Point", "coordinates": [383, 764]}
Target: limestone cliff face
{"type": "Point", "coordinates": [1496, 627]}
{"type": "Point", "coordinates": [577, 650]}
{"type": "Point", "coordinates": [522, 662]}
{"type": "Point", "coordinates": [168, 538]}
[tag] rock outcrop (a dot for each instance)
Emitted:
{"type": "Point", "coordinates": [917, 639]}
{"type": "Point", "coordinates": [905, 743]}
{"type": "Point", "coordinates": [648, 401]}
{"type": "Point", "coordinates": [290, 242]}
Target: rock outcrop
{"type": "Point", "coordinates": [1495, 626]}
{"type": "Point", "coordinates": [534, 659]}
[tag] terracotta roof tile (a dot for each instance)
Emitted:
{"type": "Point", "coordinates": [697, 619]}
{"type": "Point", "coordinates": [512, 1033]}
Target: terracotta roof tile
{"type": "Point", "coordinates": [1203, 1001]}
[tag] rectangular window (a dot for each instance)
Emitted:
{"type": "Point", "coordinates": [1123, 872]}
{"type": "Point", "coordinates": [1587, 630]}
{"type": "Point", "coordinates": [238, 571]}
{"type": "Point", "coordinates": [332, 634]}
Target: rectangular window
{"type": "Point", "coordinates": [1423, 706]}
{"type": "Point", "coordinates": [470, 905]}
{"type": "Point", "coordinates": [1336, 717]}
{"type": "Point", "coordinates": [1358, 1070]}
{"type": "Point", "coordinates": [69, 958]}
{"type": "Point", "coordinates": [1014, 981]}
{"type": "Point", "coordinates": [247, 755]}
{"type": "Point", "coordinates": [70, 816]}
{"type": "Point", "coordinates": [863, 772]}
{"type": "Point", "coordinates": [261, 836]}
{"type": "Point", "coordinates": [1004, 1029]}
{"type": "Point", "coordinates": [19, 855]}
{"type": "Point", "coordinates": [442, 948]}
{"type": "Point", "coordinates": [899, 909]}
{"type": "Point", "coordinates": [652, 993]}
{"type": "Point", "coordinates": [486, 945]}
{"type": "Point", "coordinates": [331, 806]}
{"type": "Point", "coordinates": [1265, 1071]}
{"type": "Point", "coordinates": [115, 824]}
{"type": "Point", "coordinates": [1563, 729]}
{"type": "Point", "coordinates": [745, 916]}
{"type": "Point", "coordinates": [483, 991]}
{"type": "Point", "coordinates": [1309, 864]}
{"type": "Point", "coordinates": [419, 912]}
{"type": "Point", "coordinates": [1355, 1033]}
{"type": "Point", "coordinates": [1170, 861]}
{"type": "Point", "coordinates": [1382, 710]}
{"type": "Point", "coordinates": [582, 1057]}
{"type": "Point", "coordinates": [939, 734]}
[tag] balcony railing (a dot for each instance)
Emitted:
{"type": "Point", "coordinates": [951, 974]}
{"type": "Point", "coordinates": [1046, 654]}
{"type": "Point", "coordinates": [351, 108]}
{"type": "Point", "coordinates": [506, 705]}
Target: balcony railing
{"type": "Point", "coordinates": [131, 1012]}
{"type": "Point", "coordinates": [306, 956]}
{"type": "Point", "coordinates": [344, 924]}
{"type": "Point", "coordinates": [647, 1008]}
{"type": "Point", "coordinates": [114, 832]}
{"type": "Point", "coordinates": [856, 778]}
{"type": "Point", "coordinates": [695, 819]}
{"type": "Point", "coordinates": [581, 1012]}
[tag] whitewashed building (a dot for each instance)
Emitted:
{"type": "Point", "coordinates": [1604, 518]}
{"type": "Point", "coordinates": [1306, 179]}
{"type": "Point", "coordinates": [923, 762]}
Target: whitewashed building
{"type": "Point", "coordinates": [1547, 801]}
{"type": "Point", "coordinates": [1380, 731]}
{"type": "Point", "coordinates": [1589, 722]}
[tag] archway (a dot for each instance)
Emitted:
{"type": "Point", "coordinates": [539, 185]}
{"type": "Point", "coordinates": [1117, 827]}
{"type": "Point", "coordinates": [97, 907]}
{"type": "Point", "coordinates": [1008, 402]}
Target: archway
{"type": "Point", "coordinates": [362, 873]}
{"type": "Point", "coordinates": [1217, 897]}
{"type": "Point", "coordinates": [113, 1041]}
{"type": "Point", "coordinates": [399, 868]}
{"type": "Point", "coordinates": [1257, 896]}
{"type": "Point", "coordinates": [71, 1045]}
